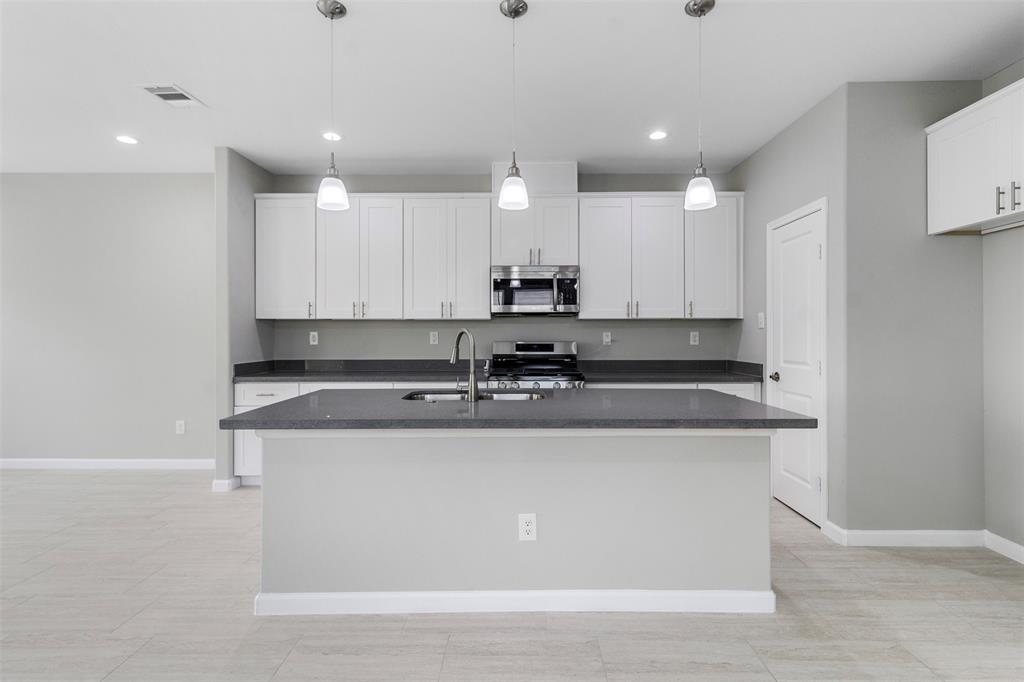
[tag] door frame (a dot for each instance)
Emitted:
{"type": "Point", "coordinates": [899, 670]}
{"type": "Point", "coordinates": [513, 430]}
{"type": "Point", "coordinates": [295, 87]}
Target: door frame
{"type": "Point", "coordinates": [819, 205]}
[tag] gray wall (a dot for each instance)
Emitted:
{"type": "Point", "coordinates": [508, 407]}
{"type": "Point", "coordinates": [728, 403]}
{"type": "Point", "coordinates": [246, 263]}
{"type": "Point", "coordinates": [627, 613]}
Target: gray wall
{"type": "Point", "coordinates": [239, 336]}
{"type": "Point", "coordinates": [650, 339]}
{"type": "Point", "coordinates": [1003, 258]}
{"type": "Point", "coordinates": [914, 401]}
{"type": "Point", "coordinates": [803, 163]}
{"type": "Point", "coordinates": [108, 323]}
{"type": "Point", "coordinates": [1002, 78]}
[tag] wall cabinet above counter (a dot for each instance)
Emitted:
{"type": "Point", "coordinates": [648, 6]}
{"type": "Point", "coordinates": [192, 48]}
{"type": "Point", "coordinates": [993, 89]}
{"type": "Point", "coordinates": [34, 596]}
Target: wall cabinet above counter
{"type": "Point", "coordinates": [976, 165]}
{"type": "Point", "coordinates": [428, 257]}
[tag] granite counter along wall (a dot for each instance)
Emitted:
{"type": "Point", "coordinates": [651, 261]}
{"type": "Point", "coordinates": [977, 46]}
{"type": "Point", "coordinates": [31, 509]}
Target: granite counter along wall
{"type": "Point", "coordinates": [398, 339]}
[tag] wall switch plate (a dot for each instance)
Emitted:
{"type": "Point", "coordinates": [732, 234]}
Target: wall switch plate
{"type": "Point", "coordinates": [606, 338]}
{"type": "Point", "coordinates": [694, 338]}
{"type": "Point", "coordinates": [314, 338]}
{"type": "Point", "coordinates": [527, 527]}
{"type": "Point", "coordinates": [179, 427]}
{"type": "Point", "coordinates": [760, 320]}
{"type": "Point", "coordinates": [433, 338]}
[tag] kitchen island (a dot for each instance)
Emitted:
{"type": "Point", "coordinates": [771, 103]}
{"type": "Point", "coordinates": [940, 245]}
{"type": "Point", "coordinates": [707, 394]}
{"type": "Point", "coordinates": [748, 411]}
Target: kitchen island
{"type": "Point", "coordinates": [645, 500]}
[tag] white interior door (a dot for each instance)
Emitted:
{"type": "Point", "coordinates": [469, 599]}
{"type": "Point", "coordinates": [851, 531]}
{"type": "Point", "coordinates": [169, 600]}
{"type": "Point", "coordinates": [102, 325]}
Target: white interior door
{"type": "Point", "coordinates": [796, 345]}
{"type": "Point", "coordinates": [337, 263]}
{"type": "Point", "coordinates": [381, 271]}
{"type": "Point", "coordinates": [605, 259]}
{"type": "Point", "coordinates": [657, 244]}
{"type": "Point", "coordinates": [469, 247]}
{"type": "Point", "coordinates": [426, 259]}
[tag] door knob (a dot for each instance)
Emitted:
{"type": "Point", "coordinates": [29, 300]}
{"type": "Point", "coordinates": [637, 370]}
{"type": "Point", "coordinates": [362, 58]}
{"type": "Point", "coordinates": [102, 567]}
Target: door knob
{"type": "Point", "coordinates": [774, 376]}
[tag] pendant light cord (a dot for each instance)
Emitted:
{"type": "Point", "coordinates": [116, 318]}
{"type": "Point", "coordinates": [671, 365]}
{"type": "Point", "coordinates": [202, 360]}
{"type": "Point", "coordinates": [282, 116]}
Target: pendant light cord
{"type": "Point", "coordinates": [514, 107]}
{"type": "Point", "coordinates": [331, 77]}
{"type": "Point", "coordinates": [700, 90]}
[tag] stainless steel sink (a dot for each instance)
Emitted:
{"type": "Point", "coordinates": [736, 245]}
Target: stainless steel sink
{"type": "Point", "coordinates": [439, 396]}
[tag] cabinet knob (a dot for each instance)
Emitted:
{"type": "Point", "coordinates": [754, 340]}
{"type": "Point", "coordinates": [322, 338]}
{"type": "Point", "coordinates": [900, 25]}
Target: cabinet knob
{"type": "Point", "coordinates": [774, 376]}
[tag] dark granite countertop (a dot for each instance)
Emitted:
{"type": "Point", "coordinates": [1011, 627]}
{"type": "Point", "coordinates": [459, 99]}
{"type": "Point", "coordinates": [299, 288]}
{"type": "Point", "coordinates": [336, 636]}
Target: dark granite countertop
{"type": "Point", "coordinates": [595, 371]}
{"type": "Point", "coordinates": [573, 409]}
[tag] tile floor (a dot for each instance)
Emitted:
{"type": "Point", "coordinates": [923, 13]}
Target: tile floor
{"type": "Point", "coordinates": [148, 576]}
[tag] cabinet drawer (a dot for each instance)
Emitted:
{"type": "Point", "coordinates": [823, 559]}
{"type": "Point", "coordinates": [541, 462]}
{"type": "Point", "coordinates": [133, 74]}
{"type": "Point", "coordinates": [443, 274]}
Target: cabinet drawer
{"type": "Point", "coordinates": [749, 391]}
{"type": "Point", "coordinates": [264, 394]}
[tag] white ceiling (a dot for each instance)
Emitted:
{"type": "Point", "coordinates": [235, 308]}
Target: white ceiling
{"type": "Point", "coordinates": [424, 87]}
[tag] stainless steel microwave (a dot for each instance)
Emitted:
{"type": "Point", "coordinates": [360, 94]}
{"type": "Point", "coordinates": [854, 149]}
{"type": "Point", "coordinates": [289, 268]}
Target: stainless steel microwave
{"type": "Point", "coordinates": [535, 290]}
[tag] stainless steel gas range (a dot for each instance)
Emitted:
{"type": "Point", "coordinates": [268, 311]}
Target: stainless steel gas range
{"type": "Point", "coordinates": [534, 364]}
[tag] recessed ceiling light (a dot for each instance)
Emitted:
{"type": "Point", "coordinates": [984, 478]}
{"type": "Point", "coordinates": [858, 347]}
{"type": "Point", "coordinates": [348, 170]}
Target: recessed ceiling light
{"type": "Point", "coordinates": [332, 136]}
{"type": "Point", "coordinates": [126, 139]}
{"type": "Point", "coordinates": [658, 135]}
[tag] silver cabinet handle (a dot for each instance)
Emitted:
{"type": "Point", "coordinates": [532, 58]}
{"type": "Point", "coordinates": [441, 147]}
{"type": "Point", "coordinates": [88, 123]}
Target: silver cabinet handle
{"type": "Point", "coordinates": [450, 310]}
{"type": "Point", "coordinates": [538, 255]}
{"type": "Point", "coordinates": [442, 309]}
{"type": "Point", "coordinates": [354, 313]}
{"type": "Point", "coordinates": [999, 199]}
{"type": "Point", "coordinates": [628, 309]}
{"type": "Point", "coordinates": [265, 395]}
{"type": "Point", "coordinates": [636, 308]}
{"type": "Point", "coordinates": [1014, 202]}
{"type": "Point", "coordinates": [309, 309]}
{"type": "Point", "coordinates": [691, 308]}
{"type": "Point", "coordinates": [364, 308]}
{"type": "Point", "coordinates": [531, 256]}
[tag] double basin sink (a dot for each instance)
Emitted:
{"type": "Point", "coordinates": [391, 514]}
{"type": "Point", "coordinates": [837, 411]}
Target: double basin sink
{"type": "Point", "coordinates": [441, 396]}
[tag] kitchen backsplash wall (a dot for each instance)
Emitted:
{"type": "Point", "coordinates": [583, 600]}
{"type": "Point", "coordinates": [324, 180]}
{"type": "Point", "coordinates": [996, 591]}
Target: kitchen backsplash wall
{"type": "Point", "coordinates": [397, 339]}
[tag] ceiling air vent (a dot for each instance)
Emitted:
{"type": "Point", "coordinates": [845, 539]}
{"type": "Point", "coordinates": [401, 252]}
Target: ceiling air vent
{"type": "Point", "coordinates": [173, 95]}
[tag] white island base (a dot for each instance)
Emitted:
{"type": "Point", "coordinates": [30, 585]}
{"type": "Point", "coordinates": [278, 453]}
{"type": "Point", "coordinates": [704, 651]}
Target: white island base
{"type": "Point", "coordinates": [426, 521]}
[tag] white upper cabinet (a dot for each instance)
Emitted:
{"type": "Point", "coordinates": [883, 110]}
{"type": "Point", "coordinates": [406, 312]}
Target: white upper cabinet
{"type": "Point", "coordinates": [657, 248]}
{"type": "Point", "coordinates": [381, 267]}
{"type": "Point", "coordinates": [545, 233]}
{"type": "Point", "coordinates": [605, 259]}
{"type": "Point", "coordinates": [714, 259]}
{"type": "Point", "coordinates": [976, 165]}
{"type": "Point", "coordinates": [359, 260]}
{"type": "Point", "coordinates": [285, 257]}
{"type": "Point", "coordinates": [337, 263]}
{"type": "Point", "coordinates": [447, 272]}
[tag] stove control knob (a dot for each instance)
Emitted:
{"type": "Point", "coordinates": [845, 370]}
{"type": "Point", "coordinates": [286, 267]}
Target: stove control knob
{"type": "Point", "coordinates": [502, 384]}
{"type": "Point", "coordinates": [558, 384]}
{"type": "Point", "coordinates": [515, 384]}
{"type": "Point", "coordinates": [536, 384]}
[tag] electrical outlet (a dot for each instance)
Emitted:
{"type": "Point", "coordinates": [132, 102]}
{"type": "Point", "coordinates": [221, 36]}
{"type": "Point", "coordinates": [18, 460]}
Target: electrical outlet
{"type": "Point", "coordinates": [433, 338]}
{"type": "Point", "coordinates": [760, 320]}
{"type": "Point", "coordinates": [179, 427]}
{"type": "Point", "coordinates": [314, 338]}
{"type": "Point", "coordinates": [527, 527]}
{"type": "Point", "coordinates": [694, 338]}
{"type": "Point", "coordinates": [606, 338]}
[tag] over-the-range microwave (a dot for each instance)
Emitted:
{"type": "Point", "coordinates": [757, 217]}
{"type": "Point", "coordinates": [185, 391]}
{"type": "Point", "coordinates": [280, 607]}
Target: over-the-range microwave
{"type": "Point", "coordinates": [535, 290]}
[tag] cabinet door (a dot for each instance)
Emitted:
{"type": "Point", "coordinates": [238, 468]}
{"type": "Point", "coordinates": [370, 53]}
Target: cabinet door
{"type": "Point", "coordinates": [469, 247]}
{"type": "Point", "coordinates": [657, 243]}
{"type": "Point", "coordinates": [713, 257]}
{"type": "Point", "coordinates": [1015, 196]}
{"type": "Point", "coordinates": [557, 226]}
{"type": "Point", "coordinates": [426, 259]}
{"type": "Point", "coordinates": [512, 235]}
{"type": "Point", "coordinates": [248, 450]}
{"type": "Point", "coordinates": [381, 265]}
{"type": "Point", "coordinates": [605, 289]}
{"type": "Point", "coordinates": [285, 258]}
{"type": "Point", "coordinates": [337, 263]}
{"type": "Point", "coordinates": [968, 160]}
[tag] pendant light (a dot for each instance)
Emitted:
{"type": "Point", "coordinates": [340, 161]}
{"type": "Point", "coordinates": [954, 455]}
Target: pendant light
{"type": "Point", "coordinates": [332, 194]}
{"type": "Point", "coordinates": [700, 193]}
{"type": "Point", "coordinates": [513, 196]}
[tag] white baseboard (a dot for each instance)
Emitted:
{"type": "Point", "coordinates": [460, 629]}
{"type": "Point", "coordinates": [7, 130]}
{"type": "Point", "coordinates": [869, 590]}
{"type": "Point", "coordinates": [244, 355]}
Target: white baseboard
{"type": "Point", "coordinates": [224, 485]}
{"type": "Point", "coordinates": [1008, 548]}
{"type": "Point", "coordinates": [252, 480]}
{"type": "Point", "coordinates": [915, 538]}
{"type": "Point", "coordinates": [640, 601]}
{"type": "Point", "coordinates": [834, 533]}
{"type": "Point", "coordinates": [108, 464]}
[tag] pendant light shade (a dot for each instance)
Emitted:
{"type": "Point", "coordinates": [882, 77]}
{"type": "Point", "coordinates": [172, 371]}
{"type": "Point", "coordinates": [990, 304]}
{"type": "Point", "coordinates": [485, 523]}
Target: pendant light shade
{"type": "Point", "coordinates": [332, 195]}
{"type": "Point", "coordinates": [700, 192]}
{"type": "Point", "coordinates": [513, 195]}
